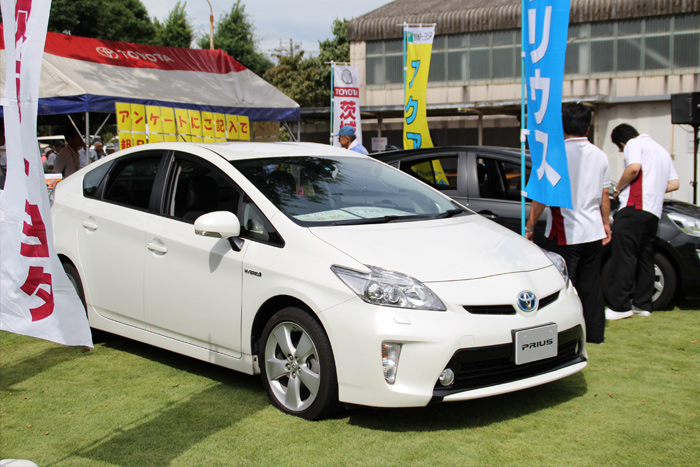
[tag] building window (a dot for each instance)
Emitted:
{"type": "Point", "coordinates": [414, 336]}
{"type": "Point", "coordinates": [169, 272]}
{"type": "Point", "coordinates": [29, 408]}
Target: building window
{"type": "Point", "coordinates": [627, 47]}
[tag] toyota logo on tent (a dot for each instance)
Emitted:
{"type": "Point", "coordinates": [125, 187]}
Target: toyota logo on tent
{"type": "Point", "coordinates": [527, 301]}
{"type": "Point", "coordinates": [107, 52]}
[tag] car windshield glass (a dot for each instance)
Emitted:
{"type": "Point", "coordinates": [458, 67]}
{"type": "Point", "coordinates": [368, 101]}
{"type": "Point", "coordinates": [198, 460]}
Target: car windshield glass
{"type": "Point", "coordinates": [344, 190]}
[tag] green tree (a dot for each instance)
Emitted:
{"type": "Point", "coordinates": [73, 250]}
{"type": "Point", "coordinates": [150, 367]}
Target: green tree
{"type": "Point", "coordinates": [116, 20]}
{"type": "Point", "coordinates": [307, 80]}
{"type": "Point", "coordinates": [299, 78]}
{"type": "Point", "coordinates": [233, 34]}
{"type": "Point", "coordinates": [177, 30]}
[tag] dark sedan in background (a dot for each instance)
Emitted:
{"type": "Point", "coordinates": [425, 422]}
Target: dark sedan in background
{"type": "Point", "coordinates": [487, 180]}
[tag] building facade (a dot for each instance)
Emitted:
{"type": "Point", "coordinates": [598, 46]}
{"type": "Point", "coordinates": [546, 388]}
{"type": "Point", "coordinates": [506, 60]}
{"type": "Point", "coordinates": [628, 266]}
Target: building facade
{"type": "Point", "coordinates": [626, 58]}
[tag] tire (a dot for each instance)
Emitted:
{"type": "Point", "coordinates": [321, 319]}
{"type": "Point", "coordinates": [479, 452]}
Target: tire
{"type": "Point", "coordinates": [297, 365]}
{"type": "Point", "coordinates": [665, 282]}
{"type": "Point", "coordinates": [74, 278]}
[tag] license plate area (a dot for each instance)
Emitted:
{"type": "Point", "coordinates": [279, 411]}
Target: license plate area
{"type": "Point", "coordinates": [534, 344]}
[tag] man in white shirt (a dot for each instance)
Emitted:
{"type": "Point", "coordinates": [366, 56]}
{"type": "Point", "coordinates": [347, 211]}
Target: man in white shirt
{"type": "Point", "coordinates": [580, 233]}
{"type": "Point", "coordinates": [649, 174]}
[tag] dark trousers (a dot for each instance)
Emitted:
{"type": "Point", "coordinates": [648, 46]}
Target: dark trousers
{"type": "Point", "coordinates": [632, 267]}
{"type": "Point", "coordinates": [583, 264]}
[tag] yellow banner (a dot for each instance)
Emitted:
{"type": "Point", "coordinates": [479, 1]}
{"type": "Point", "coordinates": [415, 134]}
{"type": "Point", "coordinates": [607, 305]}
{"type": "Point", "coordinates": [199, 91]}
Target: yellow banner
{"type": "Point", "coordinates": [182, 120]}
{"type": "Point", "coordinates": [419, 44]}
{"type": "Point", "coordinates": [138, 124]}
{"type": "Point", "coordinates": [208, 130]}
{"type": "Point", "coordinates": [195, 124]}
{"type": "Point", "coordinates": [123, 117]}
{"type": "Point", "coordinates": [168, 116]}
{"type": "Point", "coordinates": [232, 131]}
{"type": "Point", "coordinates": [220, 126]}
{"type": "Point", "coordinates": [244, 127]}
{"type": "Point", "coordinates": [155, 122]}
{"type": "Point", "coordinates": [138, 118]}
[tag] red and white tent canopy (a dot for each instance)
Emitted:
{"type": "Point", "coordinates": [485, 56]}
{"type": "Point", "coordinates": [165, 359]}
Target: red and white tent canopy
{"type": "Point", "coordinates": [80, 74]}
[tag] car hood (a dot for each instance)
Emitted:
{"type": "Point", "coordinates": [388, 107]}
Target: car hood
{"type": "Point", "coordinates": [681, 207]}
{"type": "Point", "coordinates": [437, 250]}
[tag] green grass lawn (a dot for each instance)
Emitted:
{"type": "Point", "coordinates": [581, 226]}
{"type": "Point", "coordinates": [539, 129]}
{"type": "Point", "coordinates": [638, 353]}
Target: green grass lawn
{"type": "Point", "coordinates": [128, 404]}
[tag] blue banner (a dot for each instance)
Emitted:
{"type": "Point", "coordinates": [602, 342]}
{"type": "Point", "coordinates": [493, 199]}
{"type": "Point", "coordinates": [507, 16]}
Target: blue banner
{"type": "Point", "coordinates": [546, 24]}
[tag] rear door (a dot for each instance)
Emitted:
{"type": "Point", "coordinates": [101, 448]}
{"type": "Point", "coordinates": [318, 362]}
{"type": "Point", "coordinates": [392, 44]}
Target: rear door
{"type": "Point", "coordinates": [111, 238]}
{"type": "Point", "coordinates": [494, 187]}
{"type": "Point", "coordinates": [441, 170]}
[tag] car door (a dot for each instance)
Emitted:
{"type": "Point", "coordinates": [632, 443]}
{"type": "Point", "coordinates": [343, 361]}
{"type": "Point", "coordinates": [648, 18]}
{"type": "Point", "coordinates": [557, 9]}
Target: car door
{"type": "Point", "coordinates": [111, 238]}
{"type": "Point", "coordinates": [439, 170]}
{"type": "Point", "coordinates": [193, 283]}
{"type": "Point", "coordinates": [494, 188]}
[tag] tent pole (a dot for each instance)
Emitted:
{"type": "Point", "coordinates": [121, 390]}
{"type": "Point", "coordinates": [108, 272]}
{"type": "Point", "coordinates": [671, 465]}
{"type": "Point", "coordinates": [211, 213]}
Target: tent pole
{"type": "Point", "coordinates": [87, 135]}
{"type": "Point", "coordinates": [103, 124]}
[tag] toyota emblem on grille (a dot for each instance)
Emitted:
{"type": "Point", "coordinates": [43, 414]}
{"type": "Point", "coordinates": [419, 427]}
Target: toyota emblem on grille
{"type": "Point", "coordinates": [527, 301]}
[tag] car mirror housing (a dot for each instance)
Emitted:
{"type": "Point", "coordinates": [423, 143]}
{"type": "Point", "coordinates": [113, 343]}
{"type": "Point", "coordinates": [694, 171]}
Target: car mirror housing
{"type": "Point", "coordinates": [218, 224]}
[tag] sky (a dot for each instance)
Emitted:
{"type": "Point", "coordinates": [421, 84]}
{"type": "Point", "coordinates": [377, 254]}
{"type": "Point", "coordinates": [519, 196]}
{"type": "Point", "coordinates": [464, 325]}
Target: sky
{"type": "Point", "coordinates": [275, 21]}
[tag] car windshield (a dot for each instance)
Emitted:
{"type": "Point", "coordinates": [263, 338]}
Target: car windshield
{"type": "Point", "coordinates": [344, 190]}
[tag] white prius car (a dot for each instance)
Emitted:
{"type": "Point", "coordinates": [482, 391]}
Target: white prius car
{"type": "Point", "coordinates": [336, 277]}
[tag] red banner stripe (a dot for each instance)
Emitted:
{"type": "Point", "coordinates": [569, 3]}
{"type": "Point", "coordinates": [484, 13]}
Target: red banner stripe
{"type": "Point", "coordinates": [138, 55]}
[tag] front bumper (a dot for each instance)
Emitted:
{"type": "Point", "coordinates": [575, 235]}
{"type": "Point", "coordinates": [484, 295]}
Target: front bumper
{"type": "Point", "coordinates": [432, 341]}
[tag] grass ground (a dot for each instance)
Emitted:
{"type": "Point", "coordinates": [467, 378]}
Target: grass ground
{"type": "Point", "coordinates": [128, 404]}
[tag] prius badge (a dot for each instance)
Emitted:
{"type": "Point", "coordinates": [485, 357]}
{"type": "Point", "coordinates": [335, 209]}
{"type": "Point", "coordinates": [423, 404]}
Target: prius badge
{"type": "Point", "coordinates": [527, 301]}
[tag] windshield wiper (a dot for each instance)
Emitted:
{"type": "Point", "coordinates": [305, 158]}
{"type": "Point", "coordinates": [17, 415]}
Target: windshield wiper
{"type": "Point", "coordinates": [450, 213]}
{"type": "Point", "coordinates": [382, 220]}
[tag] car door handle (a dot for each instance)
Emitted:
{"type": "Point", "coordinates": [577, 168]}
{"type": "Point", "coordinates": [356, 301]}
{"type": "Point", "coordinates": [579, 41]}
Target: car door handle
{"type": "Point", "coordinates": [489, 215]}
{"type": "Point", "coordinates": [157, 247]}
{"type": "Point", "coordinates": [90, 224]}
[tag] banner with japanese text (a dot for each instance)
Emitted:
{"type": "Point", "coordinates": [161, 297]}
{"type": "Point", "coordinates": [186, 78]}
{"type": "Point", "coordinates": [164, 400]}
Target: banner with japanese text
{"type": "Point", "coordinates": [36, 298]}
{"type": "Point", "coordinates": [546, 25]}
{"type": "Point", "coordinates": [138, 124]}
{"type": "Point", "coordinates": [346, 100]}
{"type": "Point", "coordinates": [419, 45]}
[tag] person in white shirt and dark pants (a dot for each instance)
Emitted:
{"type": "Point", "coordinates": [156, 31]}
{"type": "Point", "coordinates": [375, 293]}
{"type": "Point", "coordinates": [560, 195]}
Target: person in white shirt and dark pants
{"type": "Point", "coordinates": [649, 174]}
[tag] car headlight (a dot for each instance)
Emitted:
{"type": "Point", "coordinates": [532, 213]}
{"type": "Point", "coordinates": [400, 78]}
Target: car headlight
{"type": "Point", "coordinates": [389, 288]}
{"type": "Point", "coordinates": [689, 225]}
{"type": "Point", "coordinates": [559, 263]}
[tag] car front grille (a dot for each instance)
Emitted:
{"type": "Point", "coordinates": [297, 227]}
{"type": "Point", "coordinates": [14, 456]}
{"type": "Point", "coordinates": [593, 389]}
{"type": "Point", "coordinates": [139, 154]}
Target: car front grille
{"type": "Point", "coordinates": [493, 365]}
{"type": "Point", "coordinates": [506, 309]}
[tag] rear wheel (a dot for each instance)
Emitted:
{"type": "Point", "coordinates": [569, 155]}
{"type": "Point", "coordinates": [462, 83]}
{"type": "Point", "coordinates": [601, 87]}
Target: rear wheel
{"type": "Point", "coordinates": [297, 365]}
{"type": "Point", "coordinates": [74, 279]}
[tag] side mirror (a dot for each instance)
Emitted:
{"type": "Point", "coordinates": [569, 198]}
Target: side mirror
{"type": "Point", "coordinates": [220, 224]}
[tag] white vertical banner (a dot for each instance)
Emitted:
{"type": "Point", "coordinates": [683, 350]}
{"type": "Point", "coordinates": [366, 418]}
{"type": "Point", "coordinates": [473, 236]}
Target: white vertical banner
{"type": "Point", "coordinates": [346, 100]}
{"type": "Point", "coordinates": [36, 297]}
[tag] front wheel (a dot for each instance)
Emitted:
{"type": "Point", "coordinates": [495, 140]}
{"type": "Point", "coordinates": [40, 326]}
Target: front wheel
{"type": "Point", "coordinates": [297, 368]}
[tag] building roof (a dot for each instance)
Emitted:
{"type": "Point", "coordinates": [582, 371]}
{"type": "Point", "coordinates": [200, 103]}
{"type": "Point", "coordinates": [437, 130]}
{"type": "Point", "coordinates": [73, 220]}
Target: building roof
{"type": "Point", "coordinates": [460, 16]}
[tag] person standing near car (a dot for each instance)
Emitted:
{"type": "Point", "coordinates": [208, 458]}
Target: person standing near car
{"type": "Point", "coordinates": [649, 174]}
{"type": "Point", "coordinates": [348, 140]}
{"type": "Point", "coordinates": [68, 159]}
{"type": "Point", "coordinates": [578, 234]}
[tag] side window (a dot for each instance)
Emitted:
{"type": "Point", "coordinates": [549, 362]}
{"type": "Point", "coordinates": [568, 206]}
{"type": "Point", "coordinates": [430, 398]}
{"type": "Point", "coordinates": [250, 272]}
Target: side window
{"type": "Point", "coordinates": [255, 226]}
{"type": "Point", "coordinates": [438, 172]}
{"type": "Point", "coordinates": [198, 189]}
{"type": "Point", "coordinates": [132, 181]}
{"type": "Point", "coordinates": [93, 179]}
{"type": "Point", "coordinates": [499, 179]}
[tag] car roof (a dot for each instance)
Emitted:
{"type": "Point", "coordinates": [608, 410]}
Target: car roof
{"type": "Point", "coordinates": [240, 150]}
{"type": "Point", "coordinates": [410, 152]}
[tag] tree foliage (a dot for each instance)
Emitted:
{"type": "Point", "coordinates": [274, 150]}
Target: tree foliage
{"type": "Point", "coordinates": [116, 20]}
{"type": "Point", "coordinates": [177, 30]}
{"type": "Point", "coordinates": [307, 80]}
{"type": "Point", "coordinates": [233, 33]}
